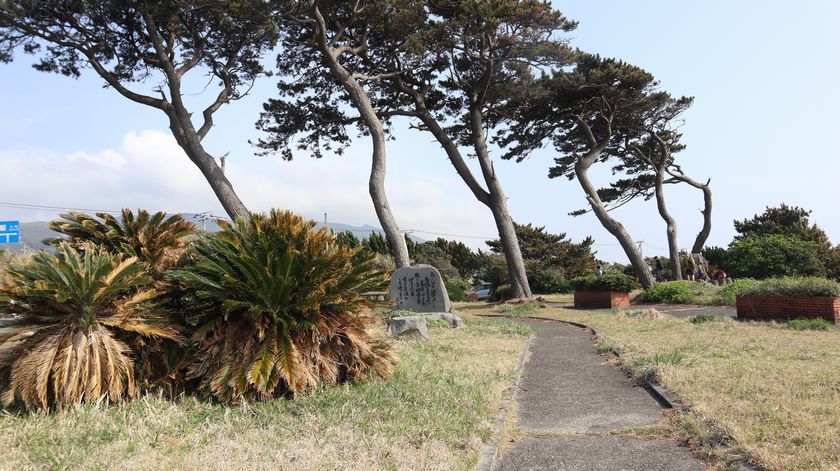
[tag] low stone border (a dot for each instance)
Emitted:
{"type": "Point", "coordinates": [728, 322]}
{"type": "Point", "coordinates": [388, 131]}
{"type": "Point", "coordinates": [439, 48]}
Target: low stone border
{"type": "Point", "coordinates": [490, 452]}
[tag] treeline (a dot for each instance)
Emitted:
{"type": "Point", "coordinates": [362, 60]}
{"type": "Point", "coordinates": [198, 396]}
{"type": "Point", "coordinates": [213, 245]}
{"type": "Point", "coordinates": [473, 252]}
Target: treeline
{"type": "Point", "coordinates": [782, 241]}
{"type": "Point", "coordinates": [551, 260]}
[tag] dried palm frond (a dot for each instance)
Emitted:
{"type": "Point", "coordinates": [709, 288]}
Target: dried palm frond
{"type": "Point", "coordinates": [61, 345]}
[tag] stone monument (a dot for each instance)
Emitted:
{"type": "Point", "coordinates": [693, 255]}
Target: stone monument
{"type": "Point", "coordinates": [420, 289]}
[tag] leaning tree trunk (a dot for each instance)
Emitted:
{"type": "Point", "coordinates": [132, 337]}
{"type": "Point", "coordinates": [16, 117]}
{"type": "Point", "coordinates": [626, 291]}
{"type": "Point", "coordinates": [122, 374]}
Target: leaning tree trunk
{"type": "Point", "coordinates": [186, 137]}
{"type": "Point", "coordinates": [497, 203]}
{"type": "Point", "coordinates": [670, 223]}
{"type": "Point", "coordinates": [494, 199]}
{"type": "Point", "coordinates": [376, 184]}
{"type": "Point", "coordinates": [611, 225]}
{"type": "Point", "coordinates": [700, 241]}
{"type": "Point", "coordinates": [703, 236]}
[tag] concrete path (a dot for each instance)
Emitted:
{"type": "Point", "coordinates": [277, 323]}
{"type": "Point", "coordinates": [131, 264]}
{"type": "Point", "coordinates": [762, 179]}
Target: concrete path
{"type": "Point", "coordinates": [568, 396]}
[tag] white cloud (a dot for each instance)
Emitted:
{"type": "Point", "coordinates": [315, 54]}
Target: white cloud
{"type": "Point", "coordinates": [149, 170]}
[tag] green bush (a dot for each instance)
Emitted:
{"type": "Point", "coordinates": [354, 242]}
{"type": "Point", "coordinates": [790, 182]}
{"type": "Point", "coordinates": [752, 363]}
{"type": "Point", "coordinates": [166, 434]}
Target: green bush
{"type": "Point", "coordinates": [806, 287]}
{"type": "Point", "coordinates": [548, 282]}
{"type": "Point", "coordinates": [280, 310]}
{"type": "Point", "coordinates": [673, 292]}
{"type": "Point", "coordinates": [808, 324]}
{"type": "Point", "coordinates": [610, 282]}
{"type": "Point", "coordinates": [726, 295]}
{"type": "Point", "coordinates": [457, 289]}
{"type": "Point", "coordinates": [503, 293]}
{"type": "Point", "coordinates": [774, 255]}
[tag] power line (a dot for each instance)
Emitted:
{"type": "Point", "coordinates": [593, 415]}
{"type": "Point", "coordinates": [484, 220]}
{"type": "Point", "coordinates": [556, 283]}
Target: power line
{"type": "Point", "coordinates": [55, 208]}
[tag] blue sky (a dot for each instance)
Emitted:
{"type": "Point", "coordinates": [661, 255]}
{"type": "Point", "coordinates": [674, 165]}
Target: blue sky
{"type": "Point", "coordinates": [764, 76]}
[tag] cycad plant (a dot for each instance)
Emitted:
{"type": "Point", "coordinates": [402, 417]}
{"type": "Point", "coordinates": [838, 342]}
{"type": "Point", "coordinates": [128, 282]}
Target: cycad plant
{"type": "Point", "coordinates": [155, 239]}
{"type": "Point", "coordinates": [158, 241]}
{"type": "Point", "coordinates": [281, 310]}
{"type": "Point", "coordinates": [63, 314]}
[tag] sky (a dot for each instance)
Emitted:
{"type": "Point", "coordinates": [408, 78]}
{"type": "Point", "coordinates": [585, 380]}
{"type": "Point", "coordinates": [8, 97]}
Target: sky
{"type": "Point", "coordinates": [763, 73]}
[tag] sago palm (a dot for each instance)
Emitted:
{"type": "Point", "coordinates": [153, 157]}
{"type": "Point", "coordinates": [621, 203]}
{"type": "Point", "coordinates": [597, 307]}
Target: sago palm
{"type": "Point", "coordinates": [155, 239]}
{"type": "Point", "coordinates": [281, 310]}
{"type": "Point", "coordinates": [60, 344]}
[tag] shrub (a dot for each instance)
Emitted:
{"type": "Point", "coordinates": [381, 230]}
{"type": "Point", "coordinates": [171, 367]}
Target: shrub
{"type": "Point", "coordinates": [806, 287]}
{"type": "Point", "coordinates": [280, 310]}
{"type": "Point", "coordinates": [503, 293]}
{"type": "Point", "coordinates": [63, 346]}
{"type": "Point", "coordinates": [808, 324]}
{"type": "Point", "coordinates": [673, 292]}
{"type": "Point", "coordinates": [493, 270]}
{"type": "Point", "coordinates": [727, 294]}
{"type": "Point", "coordinates": [774, 255]}
{"type": "Point", "coordinates": [457, 289]}
{"type": "Point", "coordinates": [154, 239]}
{"type": "Point", "coordinates": [548, 282]}
{"type": "Point", "coordinates": [610, 282]}
{"type": "Point", "coordinates": [703, 318]}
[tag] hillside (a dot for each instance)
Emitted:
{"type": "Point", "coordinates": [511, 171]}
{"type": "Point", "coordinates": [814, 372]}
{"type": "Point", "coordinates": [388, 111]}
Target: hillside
{"type": "Point", "coordinates": [33, 233]}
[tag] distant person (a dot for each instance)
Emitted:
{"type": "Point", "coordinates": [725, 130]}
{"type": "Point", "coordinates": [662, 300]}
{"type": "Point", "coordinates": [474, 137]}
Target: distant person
{"type": "Point", "coordinates": [658, 269]}
{"type": "Point", "coordinates": [690, 268]}
{"type": "Point", "coordinates": [599, 271]}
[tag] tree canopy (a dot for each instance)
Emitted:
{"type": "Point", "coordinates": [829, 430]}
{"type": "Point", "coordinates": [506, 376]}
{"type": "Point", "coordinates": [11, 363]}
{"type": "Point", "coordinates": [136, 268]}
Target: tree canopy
{"type": "Point", "coordinates": [130, 43]}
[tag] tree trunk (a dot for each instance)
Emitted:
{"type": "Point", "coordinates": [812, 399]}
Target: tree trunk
{"type": "Point", "coordinates": [611, 225]}
{"type": "Point", "coordinates": [186, 137]}
{"type": "Point", "coordinates": [494, 199]}
{"type": "Point", "coordinates": [376, 184]}
{"type": "Point", "coordinates": [670, 223]}
{"type": "Point", "coordinates": [498, 205]}
{"type": "Point", "coordinates": [700, 241]}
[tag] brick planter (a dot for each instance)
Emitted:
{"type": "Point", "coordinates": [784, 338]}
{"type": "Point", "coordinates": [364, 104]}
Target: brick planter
{"type": "Point", "coordinates": [601, 299]}
{"type": "Point", "coordinates": [759, 307]}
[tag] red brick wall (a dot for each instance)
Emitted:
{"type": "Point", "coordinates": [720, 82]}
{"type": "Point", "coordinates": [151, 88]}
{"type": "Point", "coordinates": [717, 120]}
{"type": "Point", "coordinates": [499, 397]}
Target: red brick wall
{"type": "Point", "coordinates": [788, 307]}
{"type": "Point", "coordinates": [601, 299]}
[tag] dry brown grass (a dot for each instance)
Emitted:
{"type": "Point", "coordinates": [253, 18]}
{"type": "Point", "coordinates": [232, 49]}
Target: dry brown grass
{"type": "Point", "coordinates": [774, 391]}
{"type": "Point", "coordinates": [433, 413]}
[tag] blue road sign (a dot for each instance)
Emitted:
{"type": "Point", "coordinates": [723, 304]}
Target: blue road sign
{"type": "Point", "coordinates": [9, 232]}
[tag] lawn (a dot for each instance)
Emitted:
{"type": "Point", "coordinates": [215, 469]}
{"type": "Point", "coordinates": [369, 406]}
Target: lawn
{"type": "Point", "coordinates": [433, 413]}
{"type": "Point", "coordinates": [774, 392]}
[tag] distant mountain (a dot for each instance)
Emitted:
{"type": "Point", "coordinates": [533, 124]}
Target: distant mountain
{"type": "Point", "coordinates": [33, 233]}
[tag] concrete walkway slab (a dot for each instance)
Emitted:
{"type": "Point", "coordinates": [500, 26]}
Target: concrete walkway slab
{"type": "Point", "coordinates": [568, 394]}
{"type": "Point", "coordinates": [568, 388]}
{"type": "Point", "coordinates": [596, 453]}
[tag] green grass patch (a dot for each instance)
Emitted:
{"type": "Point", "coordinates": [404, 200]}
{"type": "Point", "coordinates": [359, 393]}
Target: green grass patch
{"type": "Point", "coordinates": [433, 413]}
{"type": "Point", "coordinates": [673, 292]}
{"type": "Point", "coordinates": [808, 324]}
{"type": "Point", "coordinates": [703, 318]}
{"type": "Point", "coordinates": [519, 310]}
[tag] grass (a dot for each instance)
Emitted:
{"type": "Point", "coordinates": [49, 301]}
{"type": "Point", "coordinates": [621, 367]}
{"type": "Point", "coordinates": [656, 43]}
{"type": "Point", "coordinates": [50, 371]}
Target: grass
{"type": "Point", "coordinates": [433, 413]}
{"type": "Point", "coordinates": [772, 393]}
{"type": "Point", "coordinates": [808, 324]}
{"type": "Point", "coordinates": [690, 292]}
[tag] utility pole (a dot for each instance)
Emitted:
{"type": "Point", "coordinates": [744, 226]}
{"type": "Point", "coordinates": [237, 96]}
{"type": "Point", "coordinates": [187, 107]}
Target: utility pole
{"type": "Point", "coordinates": [203, 217]}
